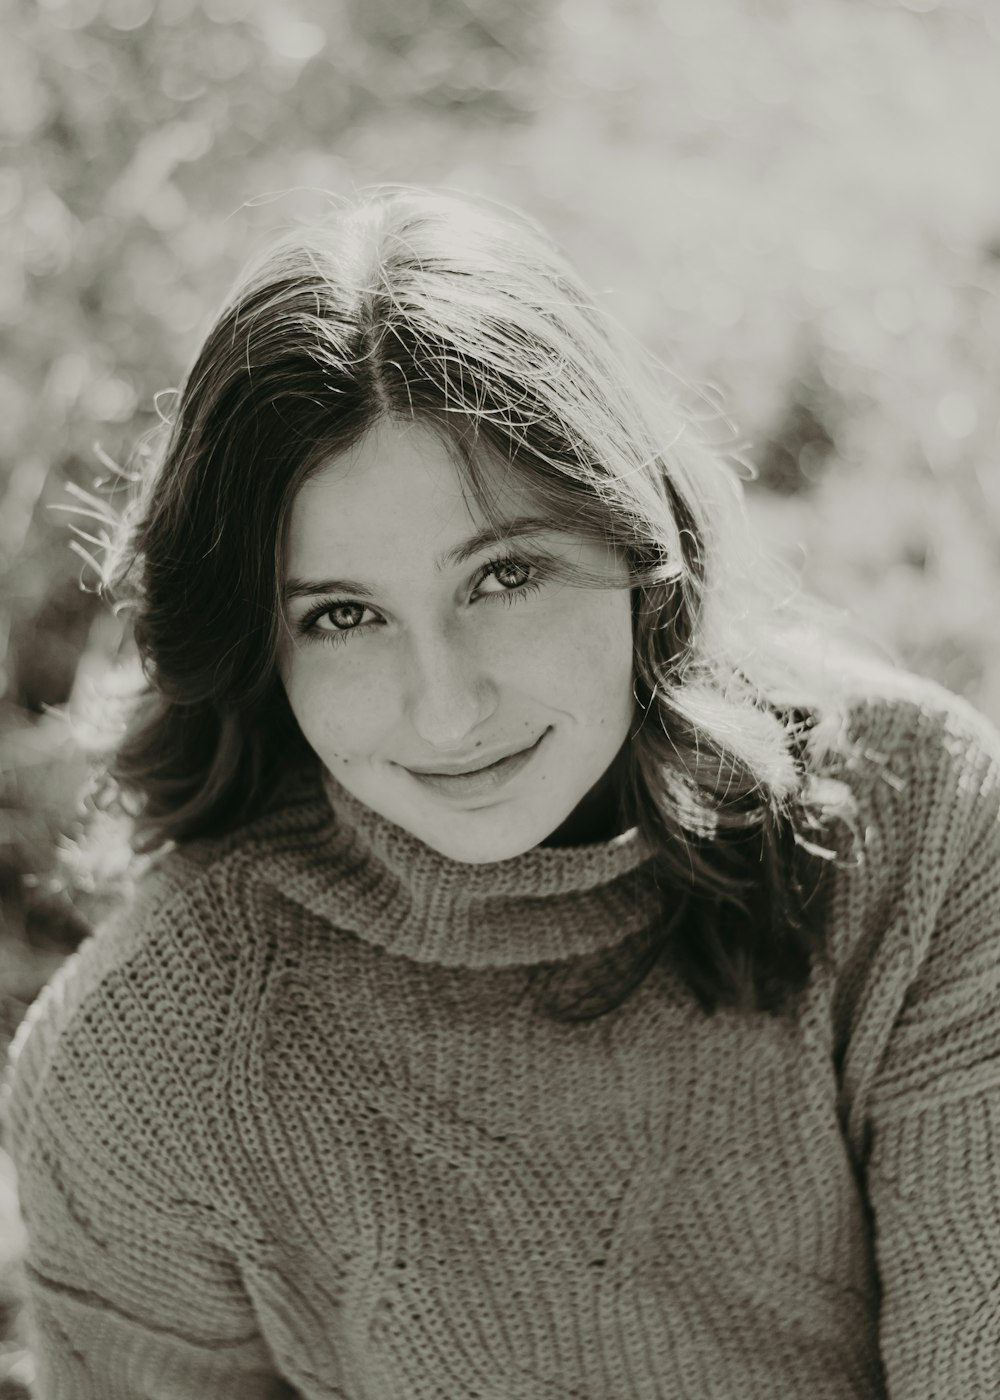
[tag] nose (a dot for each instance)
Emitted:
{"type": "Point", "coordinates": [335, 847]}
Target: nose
{"type": "Point", "coordinates": [450, 691]}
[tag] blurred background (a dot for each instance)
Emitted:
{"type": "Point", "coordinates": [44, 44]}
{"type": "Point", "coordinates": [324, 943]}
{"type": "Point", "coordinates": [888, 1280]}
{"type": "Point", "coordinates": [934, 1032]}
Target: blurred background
{"type": "Point", "coordinates": [795, 205]}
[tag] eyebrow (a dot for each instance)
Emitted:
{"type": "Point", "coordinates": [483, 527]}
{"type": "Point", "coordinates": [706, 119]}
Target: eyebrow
{"type": "Point", "coordinates": [522, 527]}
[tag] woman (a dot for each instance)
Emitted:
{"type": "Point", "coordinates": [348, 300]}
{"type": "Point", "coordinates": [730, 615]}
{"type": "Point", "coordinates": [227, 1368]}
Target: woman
{"type": "Point", "coordinates": [562, 961]}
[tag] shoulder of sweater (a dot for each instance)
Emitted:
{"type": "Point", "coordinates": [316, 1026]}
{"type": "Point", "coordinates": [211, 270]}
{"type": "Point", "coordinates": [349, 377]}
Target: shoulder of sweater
{"type": "Point", "coordinates": [145, 1000]}
{"type": "Point", "coordinates": [912, 735]}
{"type": "Point", "coordinates": [915, 930]}
{"type": "Point", "coordinates": [922, 765]}
{"type": "Point", "coordinates": [190, 877]}
{"type": "Point", "coordinates": [135, 1013]}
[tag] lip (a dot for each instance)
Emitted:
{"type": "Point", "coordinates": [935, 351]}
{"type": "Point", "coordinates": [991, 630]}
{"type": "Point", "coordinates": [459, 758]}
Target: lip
{"type": "Point", "coordinates": [484, 779]}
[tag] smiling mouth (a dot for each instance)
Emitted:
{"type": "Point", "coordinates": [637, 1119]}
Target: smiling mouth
{"type": "Point", "coordinates": [485, 779]}
{"type": "Point", "coordinates": [468, 772]}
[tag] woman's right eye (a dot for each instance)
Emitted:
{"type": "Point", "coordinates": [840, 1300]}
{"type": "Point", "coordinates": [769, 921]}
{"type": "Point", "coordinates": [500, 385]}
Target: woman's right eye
{"type": "Point", "coordinates": [309, 625]}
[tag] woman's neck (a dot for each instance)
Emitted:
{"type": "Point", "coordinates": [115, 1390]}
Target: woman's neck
{"type": "Point", "coordinates": [602, 813]}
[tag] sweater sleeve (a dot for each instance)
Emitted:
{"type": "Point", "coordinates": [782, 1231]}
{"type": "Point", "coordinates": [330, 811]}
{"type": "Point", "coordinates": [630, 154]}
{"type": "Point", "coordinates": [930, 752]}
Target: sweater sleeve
{"type": "Point", "coordinates": [933, 1178]}
{"type": "Point", "coordinates": [132, 1286]}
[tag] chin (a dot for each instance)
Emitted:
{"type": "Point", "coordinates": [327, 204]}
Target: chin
{"type": "Point", "coordinates": [483, 852]}
{"type": "Point", "coordinates": [475, 840]}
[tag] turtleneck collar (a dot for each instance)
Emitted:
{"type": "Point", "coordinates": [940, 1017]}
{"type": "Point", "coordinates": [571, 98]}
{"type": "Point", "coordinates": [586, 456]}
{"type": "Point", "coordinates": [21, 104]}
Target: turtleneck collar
{"type": "Point", "coordinates": [549, 904]}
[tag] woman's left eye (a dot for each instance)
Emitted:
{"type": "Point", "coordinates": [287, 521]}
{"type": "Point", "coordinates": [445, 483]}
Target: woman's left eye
{"type": "Point", "coordinates": [500, 566]}
{"type": "Point", "coordinates": [309, 625]}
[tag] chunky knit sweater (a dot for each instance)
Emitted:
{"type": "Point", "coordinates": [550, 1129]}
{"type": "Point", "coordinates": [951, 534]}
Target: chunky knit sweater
{"type": "Point", "coordinates": [290, 1125]}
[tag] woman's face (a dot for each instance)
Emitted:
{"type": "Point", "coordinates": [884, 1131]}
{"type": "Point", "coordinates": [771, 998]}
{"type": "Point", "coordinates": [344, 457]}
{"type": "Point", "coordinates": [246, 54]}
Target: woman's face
{"type": "Point", "coordinates": [398, 657]}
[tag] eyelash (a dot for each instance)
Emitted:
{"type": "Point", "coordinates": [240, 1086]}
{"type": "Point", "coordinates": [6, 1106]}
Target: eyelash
{"type": "Point", "coordinates": [307, 626]}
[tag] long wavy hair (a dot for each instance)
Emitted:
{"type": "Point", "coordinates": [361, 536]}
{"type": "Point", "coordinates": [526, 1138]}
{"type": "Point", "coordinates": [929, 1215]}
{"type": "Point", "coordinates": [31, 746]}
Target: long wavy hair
{"type": "Point", "coordinates": [432, 307]}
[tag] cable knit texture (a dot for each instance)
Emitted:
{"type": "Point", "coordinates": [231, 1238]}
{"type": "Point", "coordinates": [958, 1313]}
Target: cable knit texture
{"type": "Point", "coordinates": [291, 1125]}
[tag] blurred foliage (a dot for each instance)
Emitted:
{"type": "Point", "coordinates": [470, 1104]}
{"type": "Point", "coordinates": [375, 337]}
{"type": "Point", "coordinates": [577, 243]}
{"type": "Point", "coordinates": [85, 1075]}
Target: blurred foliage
{"type": "Point", "coordinates": [795, 205]}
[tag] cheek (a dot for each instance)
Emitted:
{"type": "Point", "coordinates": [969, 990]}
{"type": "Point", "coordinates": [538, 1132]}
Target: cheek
{"type": "Point", "coordinates": [586, 661]}
{"type": "Point", "coordinates": [339, 714]}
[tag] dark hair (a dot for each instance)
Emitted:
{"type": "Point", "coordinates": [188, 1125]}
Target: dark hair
{"type": "Point", "coordinates": [423, 306]}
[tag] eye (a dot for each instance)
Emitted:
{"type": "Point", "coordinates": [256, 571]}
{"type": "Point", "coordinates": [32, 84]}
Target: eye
{"type": "Point", "coordinates": [508, 566]}
{"type": "Point", "coordinates": [326, 610]}
{"type": "Point", "coordinates": [323, 622]}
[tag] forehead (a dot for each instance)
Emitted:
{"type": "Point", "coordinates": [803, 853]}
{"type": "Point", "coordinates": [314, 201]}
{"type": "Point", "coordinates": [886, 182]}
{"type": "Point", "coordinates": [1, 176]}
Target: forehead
{"type": "Point", "coordinates": [400, 488]}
